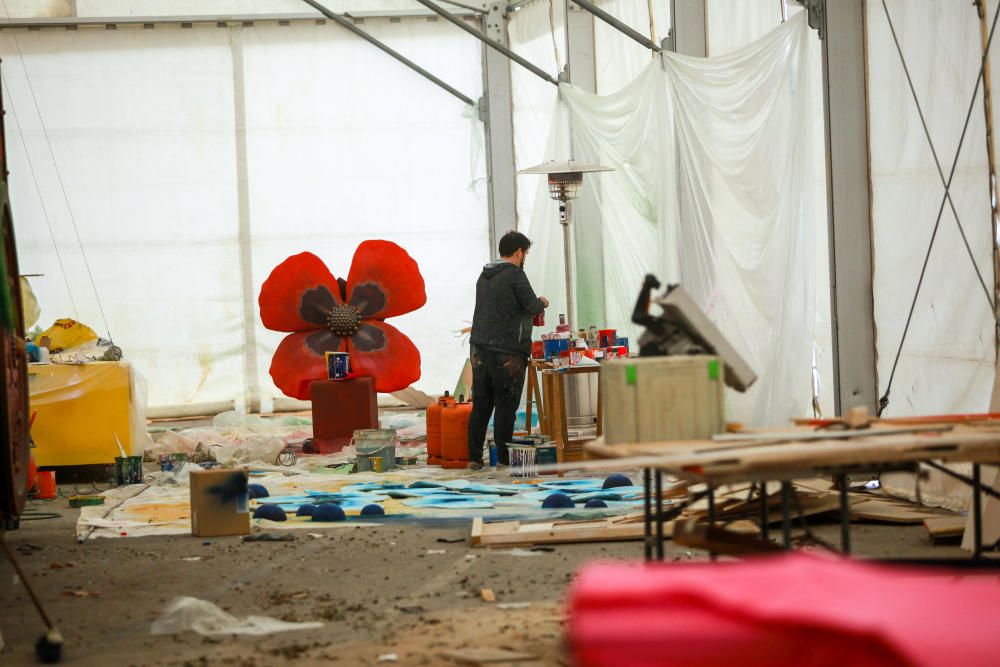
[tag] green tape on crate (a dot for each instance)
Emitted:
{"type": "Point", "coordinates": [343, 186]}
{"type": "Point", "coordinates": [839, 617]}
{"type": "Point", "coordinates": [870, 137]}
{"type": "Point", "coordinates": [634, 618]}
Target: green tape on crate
{"type": "Point", "coordinates": [630, 374]}
{"type": "Point", "coordinates": [713, 369]}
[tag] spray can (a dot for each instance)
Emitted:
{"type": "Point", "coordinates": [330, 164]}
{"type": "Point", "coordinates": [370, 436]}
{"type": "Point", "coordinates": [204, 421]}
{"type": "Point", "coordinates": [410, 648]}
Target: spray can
{"type": "Point", "coordinates": [493, 455]}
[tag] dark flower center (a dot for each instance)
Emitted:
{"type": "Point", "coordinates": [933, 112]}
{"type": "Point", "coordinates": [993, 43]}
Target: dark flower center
{"type": "Point", "coordinates": [343, 320]}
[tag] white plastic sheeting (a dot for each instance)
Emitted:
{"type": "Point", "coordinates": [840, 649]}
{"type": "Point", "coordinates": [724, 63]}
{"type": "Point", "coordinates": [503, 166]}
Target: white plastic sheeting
{"type": "Point", "coordinates": [946, 364]}
{"type": "Point", "coordinates": [343, 144]}
{"type": "Point", "coordinates": [732, 216]}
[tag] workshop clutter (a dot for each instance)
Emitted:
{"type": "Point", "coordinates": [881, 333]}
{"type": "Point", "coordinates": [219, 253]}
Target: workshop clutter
{"type": "Point", "coordinates": [563, 349]}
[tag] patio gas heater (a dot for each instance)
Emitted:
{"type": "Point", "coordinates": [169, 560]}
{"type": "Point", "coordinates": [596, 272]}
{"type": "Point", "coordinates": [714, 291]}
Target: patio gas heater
{"type": "Point", "coordinates": [565, 179]}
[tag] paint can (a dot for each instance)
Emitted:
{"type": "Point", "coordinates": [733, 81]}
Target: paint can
{"type": "Point", "coordinates": [46, 482]}
{"type": "Point", "coordinates": [539, 319]}
{"type": "Point", "coordinates": [128, 470]}
{"type": "Point", "coordinates": [376, 463]}
{"type": "Point", "coordinates": [338, 365]}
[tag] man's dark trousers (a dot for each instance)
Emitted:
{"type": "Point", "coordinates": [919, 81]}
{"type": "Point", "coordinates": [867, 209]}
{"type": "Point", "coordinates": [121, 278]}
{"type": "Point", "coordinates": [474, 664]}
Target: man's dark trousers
{"type": "Point", "coordinates": [497, 381]}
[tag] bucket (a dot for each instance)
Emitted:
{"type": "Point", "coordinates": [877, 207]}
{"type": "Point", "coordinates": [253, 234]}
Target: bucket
{"type": "Point", "coordinates": [46, 481]}
{"type": "Point", "coordinates": [372, 443]}
{"type": "Point", "coordinates": [128, 470]}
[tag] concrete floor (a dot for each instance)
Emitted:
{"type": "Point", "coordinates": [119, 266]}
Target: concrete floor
{"type": "Point", "coordinates": [377, 590]}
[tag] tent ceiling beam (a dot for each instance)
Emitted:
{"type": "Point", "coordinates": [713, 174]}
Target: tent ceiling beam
{"type": "Point", "coordinates": [616, 24]}
{"type": "Point", "coordinates": [292, 17]}
{"type": "Point", "coordinates": [497, 46]}
{"type": "Point", "coordinates": [347, 23]}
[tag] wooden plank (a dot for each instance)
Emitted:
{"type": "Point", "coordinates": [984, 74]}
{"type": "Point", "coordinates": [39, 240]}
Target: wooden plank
{"type": "Point", "coordinates": [568, 533]}
{"type": "Point", "coordinates": [889, 510]}
{"type": "Point", "coordinates": [485, 656]}
{"type": "Point", "coordinates": [945, 527]}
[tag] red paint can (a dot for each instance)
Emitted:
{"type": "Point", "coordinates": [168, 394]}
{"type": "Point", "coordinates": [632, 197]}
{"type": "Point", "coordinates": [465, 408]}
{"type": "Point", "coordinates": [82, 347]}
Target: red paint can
{"type": "Point", "coordinates": [46, 485]}
{"type": "Point", "coordinates": [539, 319]}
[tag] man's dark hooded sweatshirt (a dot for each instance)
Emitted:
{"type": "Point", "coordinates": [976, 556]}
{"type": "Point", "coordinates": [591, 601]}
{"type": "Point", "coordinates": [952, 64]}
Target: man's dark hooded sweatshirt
{"type": "Point", "coordinates": [501, 346]}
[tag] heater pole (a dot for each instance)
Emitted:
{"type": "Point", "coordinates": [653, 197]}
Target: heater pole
{"type": "Point", "coordinates": [564, 219]}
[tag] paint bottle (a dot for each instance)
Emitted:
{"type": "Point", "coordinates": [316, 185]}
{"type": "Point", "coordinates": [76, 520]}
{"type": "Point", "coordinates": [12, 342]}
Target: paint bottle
{"type": "Point", "coordinates": [562, 327]}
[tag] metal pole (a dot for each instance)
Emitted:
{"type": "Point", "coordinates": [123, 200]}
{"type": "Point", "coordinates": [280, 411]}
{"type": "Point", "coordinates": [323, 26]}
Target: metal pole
{"type": "Point", "coordinates": [647, 476]}
{"type": "Point", "coordinates": [711, 514]}
{"type": "Point", "coordinates": [564, 220]}
{"type": "Point", "coordinates": [613, 22]}
{"type": "Point", "coordinates": [764, 530]}
{"type": "Point", "coordinates": [445, 14]}
{"type": "Point", "coordinates": [659, 515]}
{"type": "Point", "coordinates": [786, 515]}
{"type": "Point", "coordinates": [784, 10]}
{"type": "Point", "coordinates": [845, 515]}
{"type": "Point", "coordinates": [977, 512]}
{"type": "Point", "coordinates": [347, 23]}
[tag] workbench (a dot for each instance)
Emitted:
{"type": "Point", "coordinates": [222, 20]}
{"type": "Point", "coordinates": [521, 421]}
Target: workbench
{"type": "Point", "coordinates": [548, 397]}
{"type": "Point", "coordinates": [796, 455]}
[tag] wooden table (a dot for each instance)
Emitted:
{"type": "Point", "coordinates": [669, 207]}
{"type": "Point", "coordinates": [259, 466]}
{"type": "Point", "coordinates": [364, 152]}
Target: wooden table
{"type": "Point", "coordinates": [760, 461]}
{"type": "Point", "coordinates": [549, 397]}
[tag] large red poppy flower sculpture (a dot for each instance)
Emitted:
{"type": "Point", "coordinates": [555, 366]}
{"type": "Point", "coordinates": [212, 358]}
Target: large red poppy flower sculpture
{"type": "Point", "coordinates": [326, 314]}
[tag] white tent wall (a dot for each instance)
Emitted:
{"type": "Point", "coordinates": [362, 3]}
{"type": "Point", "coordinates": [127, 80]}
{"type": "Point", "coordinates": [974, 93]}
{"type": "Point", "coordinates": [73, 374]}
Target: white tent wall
{"type": "Point", "coordinates": [343, 144]}
{"type": "Point", "coordinates": [142, 132]}
{"type": "Point", "coordinates": [946, 364]}
{"type": "Point", "coordinates": [541, 132]}
{"type": "Point", "coordinates": [740, 233]}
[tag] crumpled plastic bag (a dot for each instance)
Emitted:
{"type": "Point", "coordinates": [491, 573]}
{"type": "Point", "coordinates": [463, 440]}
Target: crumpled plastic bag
{"type": "Point", "coordinates": [205, 618]}
{"type": "Point", "coordinates": [64, 334]}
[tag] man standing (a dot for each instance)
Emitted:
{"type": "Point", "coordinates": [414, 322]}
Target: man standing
{"type": "Point", "coordinates": [501, 346]}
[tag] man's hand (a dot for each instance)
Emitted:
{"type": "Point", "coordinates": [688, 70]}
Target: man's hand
{"type": "Point", "coordinates": [545, 302]}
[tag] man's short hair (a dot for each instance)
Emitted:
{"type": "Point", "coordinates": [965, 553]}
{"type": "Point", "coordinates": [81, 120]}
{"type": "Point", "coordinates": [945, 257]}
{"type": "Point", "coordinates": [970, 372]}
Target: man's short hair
{"type": "Point", "coordinates": [513, 241]}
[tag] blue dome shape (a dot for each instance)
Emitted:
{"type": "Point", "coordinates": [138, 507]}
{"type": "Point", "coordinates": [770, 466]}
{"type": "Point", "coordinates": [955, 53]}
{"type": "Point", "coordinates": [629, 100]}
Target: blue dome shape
{"type": "Point", "coordinates": [257, 491]}
{"type": "Point", "coordinates": [616, 480]}
{"type": "Point", "coordinates": [557, 500]}
{"type": "Point", "coordinates": [372, 510]}
{"type": "Point", "coordinates": [328, 512]}
{"type": "Point", "coordinates": [305, 510]}
{"type": "Point", "coordinates": [591, 504]}
{"type": "Point", "coordinates": [270, 512]}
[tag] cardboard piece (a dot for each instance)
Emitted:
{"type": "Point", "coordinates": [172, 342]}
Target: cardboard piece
{"type": "Point", "coordinates": [220, 502]}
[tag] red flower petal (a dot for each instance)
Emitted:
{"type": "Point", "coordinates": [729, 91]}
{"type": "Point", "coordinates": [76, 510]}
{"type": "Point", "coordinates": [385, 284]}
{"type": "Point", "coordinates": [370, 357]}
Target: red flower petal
{"type": "Point", "coordinates": [384, 352]}
{"type": "Point", "coordinates": [384, 281]}
{"type": "Point", "coordinates": [298, 294]}
{"type": "Point", "coordinates": [300, 359]}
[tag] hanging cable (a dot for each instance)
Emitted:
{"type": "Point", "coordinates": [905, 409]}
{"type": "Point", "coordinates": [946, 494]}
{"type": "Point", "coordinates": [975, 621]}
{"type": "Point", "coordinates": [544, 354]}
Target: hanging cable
{"type": "Point", "coordinates": [41, 200]}
{"type": "Point", "coordinates": [62, 187]}
{"type": "Point", "coordinates": [937, 161]}
{"type": "Point", "coordinates": [884, 401]}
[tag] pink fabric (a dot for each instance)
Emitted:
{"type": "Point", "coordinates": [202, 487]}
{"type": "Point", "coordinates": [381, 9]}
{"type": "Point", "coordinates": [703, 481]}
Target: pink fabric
{"type": "Point", "coordinates": [796, 609]}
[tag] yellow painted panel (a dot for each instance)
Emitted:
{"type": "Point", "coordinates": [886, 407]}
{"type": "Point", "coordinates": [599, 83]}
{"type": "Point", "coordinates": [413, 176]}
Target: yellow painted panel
{"type": "Point", "coordinates": [80, 410]}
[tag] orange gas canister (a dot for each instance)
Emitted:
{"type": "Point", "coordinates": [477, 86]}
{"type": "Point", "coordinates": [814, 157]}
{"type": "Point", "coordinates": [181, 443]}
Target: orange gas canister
{"type": "Point", "coordinates": [455, 435]}
{"type": "Point", "coordinates": [434, 429]}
